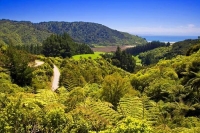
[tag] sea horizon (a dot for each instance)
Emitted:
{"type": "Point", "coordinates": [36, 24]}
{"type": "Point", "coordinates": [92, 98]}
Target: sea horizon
{"type": "Point", "coordinates": [167, 38]}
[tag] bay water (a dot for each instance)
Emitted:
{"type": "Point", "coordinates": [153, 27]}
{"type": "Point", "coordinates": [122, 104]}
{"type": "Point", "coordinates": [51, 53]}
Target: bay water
{"type": "Point", "coordinates": [168, 38]}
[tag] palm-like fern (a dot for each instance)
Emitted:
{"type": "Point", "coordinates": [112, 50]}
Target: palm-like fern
{"type": "Point", "coordinates": [68, 81]}
{"type": "Point", "coordinates": [103, 110]}
{"type": "Point", "coordinates": [192, 78]}
{"type": "Point", "coordinates": [194, 82]}
{"type": "Point", "coordinates": [140, 108]}
{"type": "Point", "coordinates": [98, 114]}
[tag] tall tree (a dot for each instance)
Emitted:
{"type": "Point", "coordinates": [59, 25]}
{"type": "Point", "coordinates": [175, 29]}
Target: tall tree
{"type": "Point", "coordinates": [17, 63]}
{"type": "Point", "coordinates": [114, 88]}
{"type": "Point", "coordinates": [64, 46]}
{"type": "Point", "coordinates": [123, 60]}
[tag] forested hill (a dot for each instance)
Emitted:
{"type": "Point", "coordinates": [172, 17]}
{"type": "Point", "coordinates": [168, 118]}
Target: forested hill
{"type": "Point", "coordinates": [21, 32]}
{"type": "Point", "coordinates": [25, 32]}
{"type": "Point", "coordinates": [92, 33]}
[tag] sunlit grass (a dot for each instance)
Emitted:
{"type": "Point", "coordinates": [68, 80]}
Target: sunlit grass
{"type": "Point", "coordinates": [97, 55]}
{"type": "Point", "coordinates": [138, 60]}
{"type": "Point", "coordinates": [86, 56]}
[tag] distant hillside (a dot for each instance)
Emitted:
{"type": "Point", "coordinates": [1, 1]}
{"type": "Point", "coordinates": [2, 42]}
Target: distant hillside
{"type": "Point", "coordinates": [21, 32]}
{"type": "Point", "coordinates": [92, 33]}
{"type": "Point", "coordinates": [182, 47]}
{"type": "Point", "coordinates": [25, 32]}
{"type": "Point", "coordinates": [186, 47]}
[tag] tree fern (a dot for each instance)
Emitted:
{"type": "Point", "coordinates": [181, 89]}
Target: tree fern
{"type": "Point", "coordinates": [104, 110]}
{"type": "Point", "coordinates": [194, 83]}
{"type": "Point", "coordinates": [68, 81]}
{"type": "Point", "coordinates": [69, 84]}
{"type": "Point", "coordinates": [131, 106]}
{"type": "Point", "coordinates": [140, 108]}
{"type": "Point", "coordinates": [152, 111]}
{"type": "Point", "coordinates": [99, 114]}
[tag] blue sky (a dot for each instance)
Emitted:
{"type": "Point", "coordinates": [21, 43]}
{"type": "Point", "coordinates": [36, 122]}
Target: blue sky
{"type": "Point", "coordinates": [141, 17]}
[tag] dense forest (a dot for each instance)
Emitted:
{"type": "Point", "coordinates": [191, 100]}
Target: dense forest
{"type": "Point", "coordinates": [21, 33]}
{"type": "Point", "coordinates": [103, 95]}
{"type": "Point", "coordinates": [148, 57]}
{"type": "Point", "coordinates": [57, 45]}
{"type": "Point", "coordinates": [148, 46]}
{"type": "Point", "coordinates": [27, 33]}
{"type": "Point", "coordinates": [63, 46]}
{"type": "Point", "coordinates": [121, 59]}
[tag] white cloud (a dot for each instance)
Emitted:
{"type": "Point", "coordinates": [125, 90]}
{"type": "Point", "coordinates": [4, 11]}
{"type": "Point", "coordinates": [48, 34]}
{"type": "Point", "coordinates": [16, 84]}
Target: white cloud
{"type": "Point", "coordinates": [189, 29]}
{"type": "Point", "coordinates": [191, 25]}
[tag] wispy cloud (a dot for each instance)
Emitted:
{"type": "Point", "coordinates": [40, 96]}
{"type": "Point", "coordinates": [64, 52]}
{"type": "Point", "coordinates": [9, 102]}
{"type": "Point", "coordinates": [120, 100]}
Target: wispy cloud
{"type": "Point", "coordinates": [189, 29]}
{"type": "Point", "coordinates": [191, 26]}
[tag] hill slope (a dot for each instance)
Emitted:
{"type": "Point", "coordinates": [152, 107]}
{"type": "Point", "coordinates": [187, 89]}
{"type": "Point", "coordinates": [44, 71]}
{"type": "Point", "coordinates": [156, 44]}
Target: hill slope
{"type": "Point", "coordinates": [21, 32]}
{"type": "Point", "coordinates": [91, 33]}
{"type": "Point", "coordinates": [25, 32]}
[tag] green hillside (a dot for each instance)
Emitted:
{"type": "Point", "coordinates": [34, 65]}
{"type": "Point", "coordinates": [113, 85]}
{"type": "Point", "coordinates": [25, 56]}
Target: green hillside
{"type": "Point", "coordinates": [95, 96]}
{"type": "Point", "coordinates": [92, 33]}
{"type": "Point", "coordinates": [25, 32]}
{"type": "Point", "coordinates": [21, 32]}
{"type": "Point", "coordinates": [182, 47]}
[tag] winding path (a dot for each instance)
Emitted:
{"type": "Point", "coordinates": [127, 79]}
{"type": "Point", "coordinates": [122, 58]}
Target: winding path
{"type": "Point", "coordinates": [56, 74]}
{"type": "Point", "coordinates": [56, 77]}
{"type": "Point", "coordinates": [38, 63]}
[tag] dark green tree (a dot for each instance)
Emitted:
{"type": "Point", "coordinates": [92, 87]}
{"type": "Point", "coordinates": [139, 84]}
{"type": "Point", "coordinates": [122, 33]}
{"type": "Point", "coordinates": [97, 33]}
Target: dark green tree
{"type": "Point", "coordinates": [114, 87]}
{"type": "Point", "coordinates": [143, 48]}
{"type": "Point", "coordinates": [64, 46]}
{"type": "Point", "coordinates": [168, 44]}
{"type": "Point", "coordinates": [18, 65]}
{"type": "Point", "coordinates": [123, 60]}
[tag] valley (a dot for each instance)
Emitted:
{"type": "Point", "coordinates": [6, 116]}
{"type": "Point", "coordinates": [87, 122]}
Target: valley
{"type": "Point", "coordinates": [61, 85]}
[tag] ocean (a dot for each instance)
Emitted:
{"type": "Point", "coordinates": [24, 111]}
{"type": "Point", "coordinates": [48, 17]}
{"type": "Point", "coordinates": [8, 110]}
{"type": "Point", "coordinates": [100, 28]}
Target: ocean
{"type": "Point", "coordinates": [168, 38]}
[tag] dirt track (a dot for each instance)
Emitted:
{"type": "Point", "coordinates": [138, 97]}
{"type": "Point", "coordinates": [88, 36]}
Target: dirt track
{"type": "Point", "coordinates": [56, 77]}
{"type": "Point", "coordinates": [38, 63]}
{"type": "Point", "coordinates": [56, 74]}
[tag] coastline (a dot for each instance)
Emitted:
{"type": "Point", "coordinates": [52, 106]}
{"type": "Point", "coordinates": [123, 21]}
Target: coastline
{"type": "Point", "coordinates": [166, 39]}
{"type": "Point", "coordinates": [164, 42]}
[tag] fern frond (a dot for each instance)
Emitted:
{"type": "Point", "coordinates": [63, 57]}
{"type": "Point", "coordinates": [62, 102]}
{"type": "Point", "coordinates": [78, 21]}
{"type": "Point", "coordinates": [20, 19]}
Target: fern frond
{"type": "Point", "coordinates": [140, 108]}
{"type": "Point", "coordinates": [101, 112]}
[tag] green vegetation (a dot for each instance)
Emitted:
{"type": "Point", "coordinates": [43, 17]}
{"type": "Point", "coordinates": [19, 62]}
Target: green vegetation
{"type": "Point", "coordinates": [143, 48]}
{"type": "Point", "coordinates": [63, 46]}
{"type": "Point", "coordinates": [87, 56]}
{"type": "Point", "coordinates": [17, 63]}
{"type": "Point", "coordinates": [153, 56]}
{"type": "Point", "coordinates": [97, 95]}
{"type": "Point", "coordinates": [33, 34]}
{"type": "Point", "coordinates": [138, 60]}
{"type": "Point", "coordinates": [79, 72]}
{"type": "Point", "coordinates": [121, 59]}
{"type": "Point", "coordinates": [182, 47]}
{"type": "Point", "coordinates": [186, 47]}
{"type": "Point", "coordinates": [21, 33]}
{"type": "Point", "coordinates": [92, 33]}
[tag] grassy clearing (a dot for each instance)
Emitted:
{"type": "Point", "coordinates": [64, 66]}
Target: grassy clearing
{"type": "Point", "coordinates": [97, 55]}
{"type": "Point", "coordinates": [86, 56]}
{"type": "Point", "coordinates": [138, 61]}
